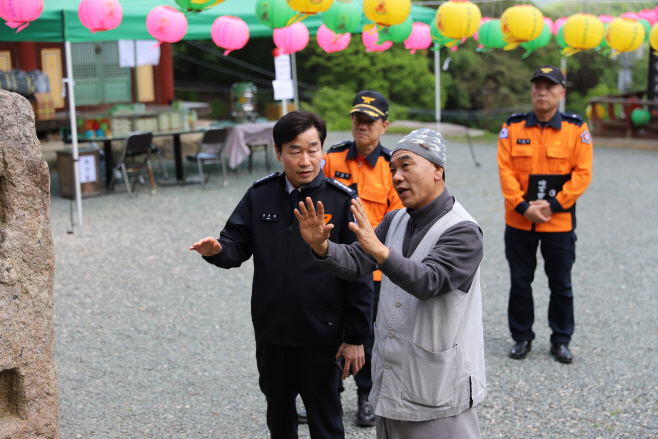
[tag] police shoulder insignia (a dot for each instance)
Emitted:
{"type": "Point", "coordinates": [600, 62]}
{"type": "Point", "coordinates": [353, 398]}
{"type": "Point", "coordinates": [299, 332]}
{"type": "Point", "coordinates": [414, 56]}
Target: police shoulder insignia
{"type": "Point", "coordinates": [504, 133]}
{"type": "Point", "coordinates": [585, 137]}
{"type": "Point", "coordinates": [341, 186]}
{"type": "Point", "coordinates": [276, 174]}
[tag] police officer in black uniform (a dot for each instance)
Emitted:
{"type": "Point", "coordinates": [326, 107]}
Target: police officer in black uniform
{"type": "Point", "coordinates": [299, 336]}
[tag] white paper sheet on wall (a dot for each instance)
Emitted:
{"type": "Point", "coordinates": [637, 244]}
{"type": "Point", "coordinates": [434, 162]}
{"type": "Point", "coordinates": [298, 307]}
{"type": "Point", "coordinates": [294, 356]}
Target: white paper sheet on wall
{"type": "Point", "coordinates": [146, 53]}
{"type": "Point", "coordinates": [87, 168]}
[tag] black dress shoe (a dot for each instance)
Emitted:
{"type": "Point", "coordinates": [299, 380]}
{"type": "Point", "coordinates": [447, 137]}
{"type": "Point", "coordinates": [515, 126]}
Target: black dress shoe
{"type": "Point", "coordinates": [365, 417]}
{"type": "Point", "coordinates": [561, 352]}
{"type": "Point", "coordinates": [520, 350]}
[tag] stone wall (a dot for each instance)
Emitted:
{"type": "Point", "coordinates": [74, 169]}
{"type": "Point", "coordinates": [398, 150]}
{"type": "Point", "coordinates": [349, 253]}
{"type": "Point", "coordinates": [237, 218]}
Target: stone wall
{"type": "Point", "coordinates": [29, 406]}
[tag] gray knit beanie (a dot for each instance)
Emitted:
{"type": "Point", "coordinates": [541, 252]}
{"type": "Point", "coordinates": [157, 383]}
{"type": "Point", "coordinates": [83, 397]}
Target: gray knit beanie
{"type": "Point", "coordinates": [426, 143]}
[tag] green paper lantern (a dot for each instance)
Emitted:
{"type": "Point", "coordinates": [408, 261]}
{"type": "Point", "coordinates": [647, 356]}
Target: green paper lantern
{"type": "Point", "coordinates": [397, 33]}
{"type": "Point", "coordinates": [647, 28]}
{"type": "Point", "coordinates": [274, 14]}
{"type": "Point", "coordinates": [532, 45]}
{"type": "Point", "coordinates": [640, 117]}
{"type": "Point", "coordinates": [560, 38]}
{"type": "Point", "coordinates": [490, 35]}
{"type": "Point", "coordinates": [343, 17]}
{"type": "Point", "coordinates": [438, 39]}
{"type": "Point", "coordinates": [604, 44]}
{"type": "Point", "coordinates": [197, 5]}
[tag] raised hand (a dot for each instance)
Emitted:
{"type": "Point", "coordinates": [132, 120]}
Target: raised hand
{"type": "Point", "coordinates": [312, 227]}
{"type": "Point", "coordinates": [366, 234]}
{"type": "Point", "coordinates": [207, 246]}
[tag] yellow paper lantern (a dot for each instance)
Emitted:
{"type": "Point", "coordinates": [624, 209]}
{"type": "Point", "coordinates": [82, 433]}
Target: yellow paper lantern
{"type": "Point", "coordinates": [458, 19]}
{"type": "Point", "coordinates": [582, 32]}
{"type": "Point", "coordinates": [387, 12]}
{"type": "Point", "coordinates": [624, 35]}
{"type": "Point", "coordinates": [519, 24]}
{"type": "Point", "coordinates": [600, 111]}
{"type": "Point", "coordinates": [653, 37]}
{"type": "Point", "coordinates": [307, 8]}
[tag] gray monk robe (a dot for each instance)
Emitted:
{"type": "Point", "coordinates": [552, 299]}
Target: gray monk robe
{"type": "Point", "coordinates": [428, 360]}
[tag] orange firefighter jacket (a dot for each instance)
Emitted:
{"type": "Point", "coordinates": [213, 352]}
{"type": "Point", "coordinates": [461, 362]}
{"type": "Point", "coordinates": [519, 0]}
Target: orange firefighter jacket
{"type": "Point", "coordinates": [370, 177]}
{"type": "Point", "coordinates": [563, 146]}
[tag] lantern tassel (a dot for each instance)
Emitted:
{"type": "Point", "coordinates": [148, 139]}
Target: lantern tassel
{"type": "Point", "coordinates": [511, 46]}
{"type": "Point", "coordinates": [336, 38]}
{"type": "Point", "coordinates": [226, 52]}
{"type": "Point", "coordinates": [157, 44]}
{"type": "Point", "coordinates": [303, 17]}
{"type": "Point", "coordinates": [412, 51]}
{"type": "Point", "coordinates": [18, 25]}
{"type": "Point", "coordinates": [293, 19]}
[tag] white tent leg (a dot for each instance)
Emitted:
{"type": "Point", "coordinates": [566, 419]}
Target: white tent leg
{"type": "Point", "coordinates": [293, 58]}
{"type": "Point", "coordinates": [437, 88]}
{"type": "Point", "coordinates": [74, 129]}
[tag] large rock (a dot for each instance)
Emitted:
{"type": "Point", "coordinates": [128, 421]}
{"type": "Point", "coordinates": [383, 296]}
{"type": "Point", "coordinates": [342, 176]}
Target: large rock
{"type": "Point", "coordinates": [29, 406]}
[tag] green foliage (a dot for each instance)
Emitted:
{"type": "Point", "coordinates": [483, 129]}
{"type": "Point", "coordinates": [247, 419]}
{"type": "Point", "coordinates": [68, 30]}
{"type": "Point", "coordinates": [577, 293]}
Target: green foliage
{"type": "Point", "coordinates": [403, 78]}
{"type": "Point", "coordinates": [334, 105]}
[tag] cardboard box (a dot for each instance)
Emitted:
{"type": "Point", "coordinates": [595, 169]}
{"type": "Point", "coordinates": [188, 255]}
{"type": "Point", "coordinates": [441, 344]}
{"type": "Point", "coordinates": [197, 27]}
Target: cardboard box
{"type": "Point", "coordinates": [90, 173]}
{"type": "Point", "coordinates": [43, 106]}
{"type": "Point", "coordinates": [274, 111]}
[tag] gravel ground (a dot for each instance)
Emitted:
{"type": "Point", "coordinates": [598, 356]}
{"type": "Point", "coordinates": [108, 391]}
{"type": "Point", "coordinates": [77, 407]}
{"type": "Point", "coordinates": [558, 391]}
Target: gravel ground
{"type": "Point", "coordinates": [154, 342]}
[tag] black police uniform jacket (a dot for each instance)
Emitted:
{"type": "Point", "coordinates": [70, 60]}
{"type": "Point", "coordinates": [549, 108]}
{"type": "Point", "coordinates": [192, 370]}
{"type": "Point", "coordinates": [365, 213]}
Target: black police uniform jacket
{"type": "Point", "coordinates": [294, 302]}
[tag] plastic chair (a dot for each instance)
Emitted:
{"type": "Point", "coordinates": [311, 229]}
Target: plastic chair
{"type": "Point", "coordinates": [136, 145]}
{"type": "Point", "coordinates": [209, 152]}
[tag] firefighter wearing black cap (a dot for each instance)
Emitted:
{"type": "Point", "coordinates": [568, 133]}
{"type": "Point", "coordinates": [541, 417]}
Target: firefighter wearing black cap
{"type": "Point", "coordinates": [363, 165]}
{"type": "Point", "coordinates": [543, 147]}
{"type": "Point", "coordinates": [299, 336]}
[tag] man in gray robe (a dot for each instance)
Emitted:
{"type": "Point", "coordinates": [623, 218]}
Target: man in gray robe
{"type": "Point", "coordinates": [428, 359]}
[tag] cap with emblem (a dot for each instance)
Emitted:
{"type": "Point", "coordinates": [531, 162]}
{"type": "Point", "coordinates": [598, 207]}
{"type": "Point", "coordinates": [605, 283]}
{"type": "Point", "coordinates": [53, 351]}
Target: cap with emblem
{"type": "Point", "coordinates": [552, 73]}
{"type": "Point", "coordinates": [370, 103]}
{"type": "Point", "coordinates": [426, 143]}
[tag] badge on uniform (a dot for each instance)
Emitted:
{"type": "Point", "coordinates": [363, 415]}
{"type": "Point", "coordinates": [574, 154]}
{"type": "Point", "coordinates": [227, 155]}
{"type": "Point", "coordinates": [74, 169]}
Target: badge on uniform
{"type": "Point", "coordinates": [342, 175]}
{"type": "Point", "coordinates": [269, 217]}
{"type": "Point", "coordinates": [504, 134]}
{"type": "Point", "coordinates": [523, 141]}
{"type": "Point", "coordinates": [585, 137]}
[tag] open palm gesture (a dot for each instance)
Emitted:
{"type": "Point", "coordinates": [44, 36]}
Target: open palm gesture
{"type": "Point", "coordinates": [312, 227]}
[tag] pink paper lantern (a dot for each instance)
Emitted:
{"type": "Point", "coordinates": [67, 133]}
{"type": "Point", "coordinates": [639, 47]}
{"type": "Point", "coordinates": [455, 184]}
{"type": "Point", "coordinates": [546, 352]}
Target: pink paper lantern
{"type": "Point", "coordinates": [549, 22]}
{"type": "Point", "coordinates": [606, 18]}
{"type": "Point", "coordinates": [331, 42]}
{"type": "Point", "coordinates": [100, 15]}
{"type": "Point", "coordinates": [370, 36]}
{"type": "Point", "coordinates": [456, 46]}
{"type": "Point", "coordinates": [631, 15]}
{"type": "Point", "coordinates": [230, 33]}
{"type": "Point", "coordinates": [649, 15]}
{"type": "Point", "coordinates": [558, 24]}
{"type": "Point", "coordinates": [482, 21]}
{"type": "Point", "coordinates": [419, 39]}
{"type": "Point", "coordinates": [166, 24]}
{"type": "Point", "coordinates": [291, 39]}
{"type": "Point", "coordinates": [19, 13]}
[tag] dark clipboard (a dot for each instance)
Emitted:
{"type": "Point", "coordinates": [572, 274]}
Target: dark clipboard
{"type": "Point", "coordinates": [545, 186]}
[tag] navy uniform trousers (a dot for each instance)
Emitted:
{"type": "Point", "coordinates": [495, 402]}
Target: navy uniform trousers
{"type": "Point", "coordinates": [311, 372]}
{"type": "Point", "coordinates": [559, 252]}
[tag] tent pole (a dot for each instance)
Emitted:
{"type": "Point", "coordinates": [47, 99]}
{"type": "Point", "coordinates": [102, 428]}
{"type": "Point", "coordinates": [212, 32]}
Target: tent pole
{"type": "Point", "coordinates": [437, 87]}
{"type": "Point", "coordinates": [74, 129]}
{"type": "Point", "coordinates": [563, 103]}
{"type": "Point", "coordinates": [293, 58]}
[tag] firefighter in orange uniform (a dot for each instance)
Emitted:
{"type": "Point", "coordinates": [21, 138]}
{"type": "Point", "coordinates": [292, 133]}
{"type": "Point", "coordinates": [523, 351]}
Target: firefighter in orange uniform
{"type": "Point", "coordinates": [554, 150]}
{"type": "Point", "coordinates": [363, 165]}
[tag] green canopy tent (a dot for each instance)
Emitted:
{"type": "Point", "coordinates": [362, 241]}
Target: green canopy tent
{"type": "Point", "coordinates": [59, 22]}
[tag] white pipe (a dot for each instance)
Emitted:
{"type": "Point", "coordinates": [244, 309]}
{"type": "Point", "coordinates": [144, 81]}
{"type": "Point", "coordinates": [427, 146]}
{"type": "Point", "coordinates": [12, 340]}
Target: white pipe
{"type": "Point", "coordinates": [74, 129]}
{"type": "Point", "coordinates": [284, 107]}
{"type": "Point", "coordinates": [437, 88]}
{"type": "Point", "coordinates": [293, 58]}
